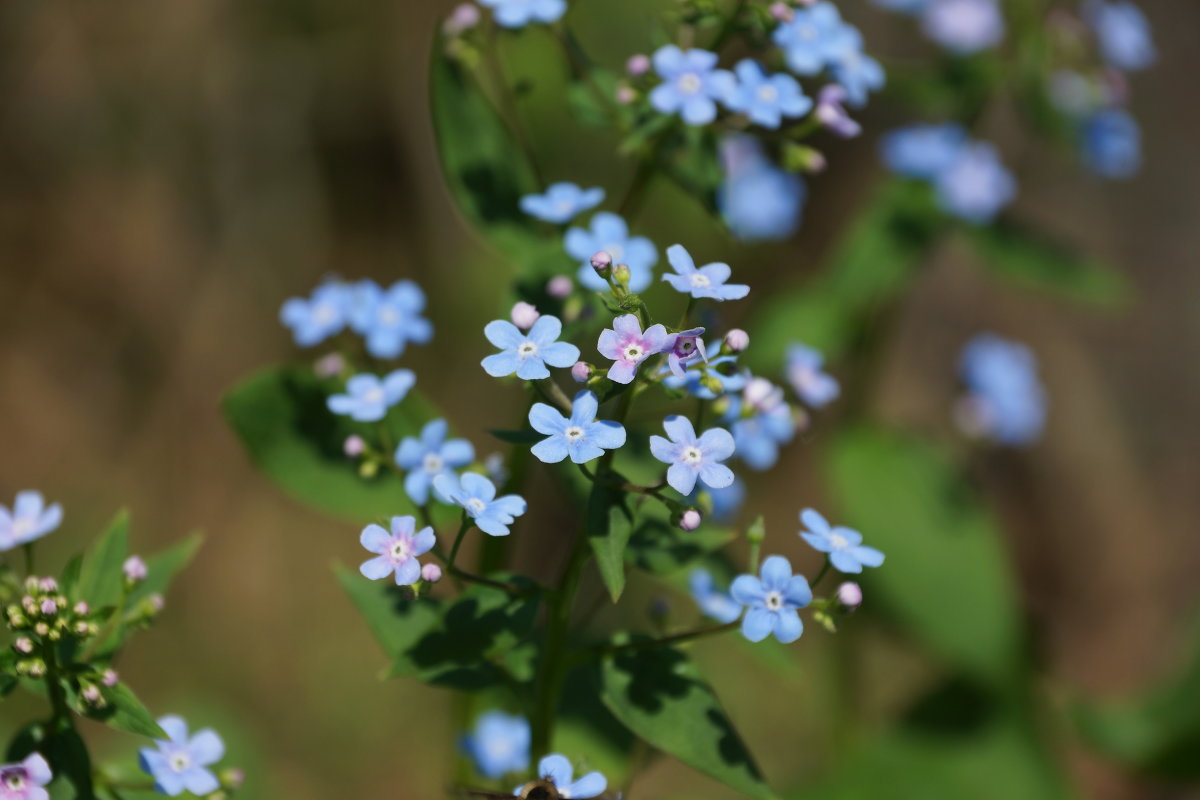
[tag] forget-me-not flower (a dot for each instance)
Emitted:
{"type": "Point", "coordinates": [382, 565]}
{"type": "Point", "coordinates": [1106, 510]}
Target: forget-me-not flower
{"type": "Point", "coordinates": [610, 234]}
{"type": "Point", "coordinates": [25, 780]}
{"type": "Point", "coordinates": [1123, 34]}
{"type": "Point", "coordinates": [760, 422]}
{"type": "Point", "coordinates": [693, 457]}
{"type": "Point", "coordinates": [316, 318]}
{"type": "Point", "coordinates": [628, 346]}
{"type": "Point", "coordinates": [561, 202]}
{"type": "Point", "coordinates": [498, 744]}
{"type": "Point", "coordinates": [766, 99]}
{"type": "Point", "coordinates": [708, 281]}
{"type": "Point", "coordinates": [726, 503]}
{"type": "Point", "coordinates": [902, 6]}
{"type": "Point", "coordinates": [389, 319]}
{"type": "Point", "coordinates": [1112, 144]}
{"type": "Point", "coordinates": [843, 545]}
{"type": "Point", "coordinates": [683, 348]}
{"type": "Point", "coordinates": [814, 38]}
{"type": "Point", "coordinates": [430, 455]}
{"type": "Point", "coordinates": [976, 186]}
{"type": "Point", "coordinates": [477, 496]}
{"type": "Point", "coordinates": [963, 26]}
{"type": "Point", "coordinates": [396, 551]}
{"type": "Point", "coordinates": [527, 354]}
{"type": "Point", "coordinates": [814, 386]}
{"type": "Point", "coordinates": [368, 398]}
{"type": "Point", "coordinates": [519, 13]}
{"type": "Point", "coordinates": [1007, 401]}
{"type": "Point", "coordinates": [713, 603]}
{"type": "Point", "coordinates": [922, 151]}
{"type": "Point", "coordinates": [580, 436]}
{"type": "Point", "coordinates": [181, 762]}
{"type": "Point", "coordinates": [29, 519]}
{"type": "Point", "coordinates": [855, 71]}
{"type": "Point", "coordinates": [557, 769]}
{"type": "Point", "coordinates": [757, 200]}
{"type": "Point", "coordinates": [773, 601]}
{"type": "Point", "coordinates": [691, 84]}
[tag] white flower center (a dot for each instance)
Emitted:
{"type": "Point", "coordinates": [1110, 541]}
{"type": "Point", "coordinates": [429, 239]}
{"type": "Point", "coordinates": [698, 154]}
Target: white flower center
{"type": "Point", "coordinates": [564, 206]}
{"type": "Point", "coordinates": [180, 762]}
{"type": "Point", "coordinates": [373, 396]}
{"type": "Point", "coordinates": [838, 542]}
{"type": "Point", "coordinates": [574, 433]}
{"type": "Point", "coordinates": [690, 83]}
{"type": "Point", "coordinates": [808, 32]}
{"type": "Point", "coordinates": [692, 455]}
{"type": "Point", "coordinates": [526, 349]}
{"type": "Point", "coordinates": [399, 551]}
{"type": "Point", "coordinates": [768, 94]}
{"type": "Point", "coordinates": [389, 317]}
{"type": "Point", "coordinates": [475, 505]}
{"type": "Point", "coordinates": [325, 313]}
{"type": "Point", "coordinates": [685, 347]}
{"type": "Point", "coordinates": [633, 352]}
{"type": "Point", "coordinates": [15, 781]}
{"type": "Point", "coordinates": [699, 280]}
{"type": "Point", "coordinates": [773, 601]}
{"type": "Point", "coordinates": [433, 463]}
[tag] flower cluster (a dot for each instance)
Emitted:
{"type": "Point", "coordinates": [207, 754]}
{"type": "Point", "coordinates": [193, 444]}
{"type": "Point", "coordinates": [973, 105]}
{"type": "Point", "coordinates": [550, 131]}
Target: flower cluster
{"type": "Point", "coordinates": [1005, 400]}
{"type": "Point", "coordinates": [388, 320]}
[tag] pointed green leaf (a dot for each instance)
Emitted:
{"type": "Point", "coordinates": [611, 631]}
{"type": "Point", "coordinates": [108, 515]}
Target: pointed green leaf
{"type": "Point", "coordinates": [608, 531]}
{"type": "Point", "coordinates": [162, 567]}
{"type": "Point", "coordinates": [100, 576]}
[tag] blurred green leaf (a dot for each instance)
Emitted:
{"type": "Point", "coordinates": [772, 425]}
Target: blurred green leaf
{"type": "Point", "coordinates": [594, 103]}
{"type": "Point", "coordinates": [608, 531]}
{"type": "Point", "coordinates": [163, 566]}
{"type": "Point", "coordinates": [396, 621]}
{"type": "Point", "coordinates": [662, 548]}
{"type": "Point", "coordinates": [123, 711]}
{"type": "Point", "coordinates": [100, 576]}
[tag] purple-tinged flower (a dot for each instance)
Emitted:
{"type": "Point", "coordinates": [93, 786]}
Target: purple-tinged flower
{"type": "Point", "coordinates": [683, 348]}
{"type": "Point", "coordinates": [390, 319]}
{"type": "Point", "coordinates": [963, 26]}
{"type": "Point", "coordinates": [329, 365]}
{"type": "Point", "coordinates": [1123, 34]}
{"type": "Point", "coordinates": [814, 386]}
{"type": "Point", "coordinates": [110, 678]}
{"type": "Point", "coordinates": [461, 19]}
{"type": "Point", "coordinates": [708, 281]}
{"type": "Point", "coordinates": [628, 346]}
{"type": "Point", "coordinates": [758, 201]}
{"type": "Point", "coordinates": [180, 762]}
{"type": "Point", "coordinates": [693, 458]}
{"type": "Point", "coordinates": [25, 780]}
{"type": "Point", "coordinates": [832, 113]}
{"type": "Point", "coordinates": [397, 551]}
{"type": "Point", "coordinates": [134, 569]}
{"type": "Point", "coordinates": [562, 202]}
{"type": "Point", "coordinates": [976, 186]}
{"type": "Point", "coordinates": [857, 72]}
{"type": "Point", "coordinates": [714, 604]}
{"type": "Point", "coordinates": [923, 151]}
{"type": "Point", "coordinates": [29, 519]}
{"type": "Point", "coordinates": [843, 545]}
{"type": "Point", "coordinates": [691, 84]}
{"type": "Point", "coordinates": [428, 456]}
{"type": "Point", "coordinates": [773, 601]}
{"type": "Point", "coordinates": [781, 12]}
{"type": "Point", "coordinates": [367, 398]}
{"type": "Point", "coordinates": [581, 436]}
{"type": "Point", "coordinates": [477, 496]}
{"type": "Point", "coordinates": [1112, 144]}
{"type": "Point", "coordinates": [766, 99]}
{"type": "Point", "coordinates": [519, 13]}
{"type": "Point", "coordinates": [814, 38]}
{"type": "Point", "coordinates": [693, 381]}
{"type": "Point", "coordinates": [1006, 401]}
{"type": "Point", "coordinates": [354, 446]}
{"type": "Point", "coordinates": [528, 354]}
{"type": "Point", "coordinates": [557, 769]}
{"type": "Point", "coordinates": [690, 520]}
{"type": "Point", "coordinates": [23, 644]}
{"type": "Point", "coordinates": [849, 595]}
{"type": "Point", "coordinates": [316, 318]}
{"type": "Point", "coordinates": [431, 573]}
{"type": "Point", "coordinates": [610, 234]}
{"type": "Point", "coordinates": [498, 744]}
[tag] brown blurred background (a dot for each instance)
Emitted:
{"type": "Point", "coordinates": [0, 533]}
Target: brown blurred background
{"type": "Point", "coordinates": [170, 173]}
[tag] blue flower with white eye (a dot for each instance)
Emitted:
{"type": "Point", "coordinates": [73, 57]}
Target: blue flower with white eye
{"type": "Point", "coordinates": [714, 604]}
{"type": "Point", "coordinates": [922, 151]}
{"type": "Point", "coordinates": [1112, 144]}
{"type": "Point", "coordinates": [519, 13]}
{"type": "Point", "coordinates": [963, 26]}
{"type": "Point", "coordinates": [368, 398]}
{"type": "Point", "coordinates": [557, 769]}
{"type": "Point", "coordinates": [766, 99]}
{"type": "Point", "coordinates": [811, 384]}
{"type": "Point", "coordinates": [773, 601]}
{"type": "Point", "coordinates": [527, 354]}
{"type": "Point", "coordinates": [477, 496]}
{"type": "Point", "coordinates": [580, 436]}
{"type": "Point", "coordinates": [814, 38]}
{"type": "Point", "coordinates": [610, 233]}
{"type": "Point", "coordinates": [976, 186]}
{"type": "Point", "coordinates": [396, 551]}
{"type": "Point", "coordinates": [760, 422]}
{"type": "Point", "coordinates": [858, 73]}
{"type": "Point", "coordinates": [562, 202]}
{"type": "Point", "coordinates": [29, 519]}
{"type": "Point", "coordinates": [843, 545]}
{"type": "Point", "coordinates": [757, 200]}
{"type": "Point", "coordinates": [429, 456]}
{"type": "Point", "coordinates": [708, 281]}
{"type": "Point", "coordinates": [390, 319]}
{"type": "Point", "coordinates": [316, 318]}
{"type": "Point", "coordinates": [691, 84]}
{"type": "Point", "coordinates": [1123, 34]}
{"type": "Point", "coordinates": [499, 744]}
{"type": "Point", "coordinates": [1006, 400]}
{"type": "Point", "coordinates": [693, 458]}
{"type": "Point", "coordinates": [180, 763]}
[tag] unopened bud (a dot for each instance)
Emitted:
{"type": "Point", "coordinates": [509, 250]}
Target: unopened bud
{"type": "Point", "coordinates": [41, 629]}
{"type": "Point", "coordinates": [462, 18]}
{"type": "Point", "coordinates": [81, 608]}
{"type": "Point", "coordinates": [48, 585]}
{"type": "Point", "coordinates": [523, 315]}
{"type": "Point", "coordinates": [232, 778]}
{"type": "Point", "coordinates": [626, 95]}
{"type": "Point", "coordinates": [622, 275]}
{"type": "Point", "coordinates": [782, 12]}
{"type": "Point", "coordinates": [757, 532]}
{"type": "Point", "coordinates": [638, 64]}
{"type": "Point", "coordinates": [581, 371]}
{"type": "Point", "coordinates": [23, 645]}
{"type": "Point", "coordinates": [49, 608]}
{"type": "Point", "coordinates": [135, 569]}
{"type": "Point", "coordinates": [354, 446]}
{"type": "Point", "coordinates": [109, 677]}
{"type": "Point", "coordinates": [690, 520]}
{"type": "Point", "coordinates": [559, 287]}
{"type": "Point", "coordinates": [35, 668]}
{"type": "Point", "coordinates": [431, 573]}
{"type": "Point", "coordinates": [91, 694]}
{"type": "Point", "coordinates": [329, 366]}
{"type": "Point", "coordinates": [602, 263]}
{"type": "Point", "coordinates": [849, 594]}
{"type": "Point", "coordinates": [737, 340]}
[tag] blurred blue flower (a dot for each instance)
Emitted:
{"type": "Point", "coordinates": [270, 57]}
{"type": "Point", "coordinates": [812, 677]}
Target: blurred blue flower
{"type": "Point", "coordinates": [582, 436]}
{"type": "Point", "coordinates": [527, 354]}
{"type": "Point", "coordinates": [717, 368]}
{"type": "Point", "coordinates": [499, 744]}
{"type": "Point", "coordinates": [367, 398]}
{"type": "Point", "coordinates": [976, 186]}
{"type": "Point", "coordinates": [477, 496]}
{"type": "Point", "coordinates": [628, 346]}
{"type": "Point", "coordinates": [180, 762]}
{"type": "Point", "coordinates": [708, 281]}
{"type": "Point", "coordinates": [29, 519]}
{"type": "Point", "coordinates": [832, 114]}
{"type": "Point", "coordinates": [812, 385]}
{"type": "Point", "coordinates": [773, 601]}
{"type": "Point", "coordinates": [726, 503]}
{"type": "Point", "coordinates": [693, 458]}
{"type": "Point", "coordinates": [1006, 401]}
{"type": "Point", "coordinates": [766, 100]}
{"type": "Point", "coordinates": [396, 551]}
{"type": "Point", "coordinates": [922, 151]}
{"type": "Point", "coordinates": [518, 13]}
{"type": "Point", "coordinates": [1123, 33]}
{"type": "Point", "coordinates": [390, 319]}
{"type": "Point", "coordinates": [963, 26]}
{"type": "Point", "coordinates": [25, 780]}
{"type": "Point", "coordinates": [843, 545]}
{"type": "Point", "coordinates": [713, 603]}
{"type": "Point", "coordinates": [902, 6]}
{"type": "Point", "coordinates": [316, 318]}
{"type": "Point", "coordinates": [691, 84]}
{"type": "Point", "coordinates": [557, 769]}
{"type": "Point", "coordinates": [610, 234]}
{"type": "Point", "coordinates": [561, 202]}
{"type": "Point", "coordinates": [1112, 144]}
{"type": "Point", "coordinates": [858, 73]}
{"type": "Point", "coordinates": [430, 455]}
{"type": "Point", "coordinates": [758, 201]}
{"type": "Point", "coordinates": [814, 38]}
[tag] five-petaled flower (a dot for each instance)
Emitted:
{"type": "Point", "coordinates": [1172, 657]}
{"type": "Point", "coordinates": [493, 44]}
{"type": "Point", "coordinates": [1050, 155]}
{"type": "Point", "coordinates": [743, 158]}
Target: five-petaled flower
{"type": "Point", "coordinates": [609, 233]}
{"type": "Point", "coordinates": [323, 314]}
{"type": "Point", "coordinates": [844, 545]}
{"type": "Point", "coordinates": [814, 38]}
{"type": "Point", "coordinates": [477, 496]}
{"type": "Point", "coordinates": [693, 457]}
{"type": "Point", "coordinates": [29, 519]}
{"type": "Point", "coordinates": [691, 84]}
{"type": "Point", "coordinates": [628, 346]}
{"type": "Point", "coordinates": [25, 780]}
{"type": "Point", "coordinates": [430, 455]}
{"type": "Point", "coordinates": [682, 349]}
{"type": "Point", "coordinates": [499, 744]}
{"type": "Point", "coordinates": [557, 769]}
{"type": "Point", "coordinates": [814, 386]}
{"type": "Point", "coordinates": [397, 552]}
{"type": "Point", "coordinates": [180, 762]}
{"type": "Point", "coordinates": [581, 436]}
{"type": "Point", "coordinates": [715, 604]}
{"type": "Point", "coordinates": [707, 281]}
{"type": "Point", "coordinates": [766, 99]}
{"type": "Point", "coordinates": [519, 13]}
{"type": "Point", "coordinates": [562, 202]}
{"type": "Point", "coordinates": [368, 398]}
{"type": "Point", "coordinates": [773, 600]}
{"type": "Point", "coordinates": [527, 354]}
{"type": "Point", "coordinates": [390, 319]}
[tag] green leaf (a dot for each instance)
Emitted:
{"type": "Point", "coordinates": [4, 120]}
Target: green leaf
{"type": "Point", "coordinates": [123, 711]}
{"type": "Point", "coordinates": [659, 547]}
{"type": "Point", "coordinates": [947, 576]}
{"type": "Point", "coordinates": [608, 531]}
{"type": "Point", "coordinates": [658, 695]}
{"type": "Point", "coordinates": [100, 576]}
{"type": "Point", "coordinates": [63, 748]}
{"type": "Point", "coordinates": [397, 622]}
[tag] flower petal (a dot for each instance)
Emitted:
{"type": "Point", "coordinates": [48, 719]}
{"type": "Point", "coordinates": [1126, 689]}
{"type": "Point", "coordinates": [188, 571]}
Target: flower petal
{"type": "Point", "coordinates": [557, 769]}
{"type": "Point", "coordinates": [207, 747]}
{"type": "Point", "coordinates": [550, 451]}
{"type": "Point", "coordinates": [546, 330]}
{"type": "Point", "coordinates": [375, 538]}
{"type": "Point", "coordinates": [499, 365]}
{"type": "Point", "coordinates": [717, 444]}
{"type": "Point", "coordinates": [758, 624]}
{"type": "Point", "coordinates": [682, 478]}
{"type": "Point", "coordinates": [716, 476]}
{"type": "Point", "coordinates": [680, 429]}
{"type": "Point", "coordinates": [681, 259]}
{"type": "Point", "coordinates": [776, 572]}
{"type": "Point", "coordinates": [814, 521]}
{"type": "Point", "coordinates": [788, 626]}
{"type": "Point", "coordinates": [584, 407]}
{"type": "Point", "coordinates": [546, 419]}
{"type": "Point", "coordinates": [747, 590]}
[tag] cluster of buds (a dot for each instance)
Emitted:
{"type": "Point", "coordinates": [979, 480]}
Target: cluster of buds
{"type": "Point", "coordinates": [46, 612]}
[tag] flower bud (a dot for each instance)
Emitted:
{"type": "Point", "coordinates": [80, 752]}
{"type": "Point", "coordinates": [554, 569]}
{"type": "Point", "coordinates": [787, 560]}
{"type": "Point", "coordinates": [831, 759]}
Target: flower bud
{"type": "Point", "coordinates": [523, 315]}
{"type": "Point", "coordinates": [581, 371]}
{"type": "Point", "coordinates": [431, 573]}
{"type": "Point", "coordinates": [49, 608]}
{"type": "Point", "coordinates": [329, 366]}
{"type": "Point", "coordinates": [461, 19]}
{"type": "Point", "coordinates": [23, 645]}
{"type": "Point", "coordinates": [81, 608]}
{"type": "Point", "coordinates": [690, 520]}
{"type": "Point", "coordinates": [622, 275]}
{"type": "Point", "coordinates": [354, 446]}
{"type": "Point", "coordinates": [31, 584]}
{"type": "Point", "coordinates": [559, 287]}
{"type": "Point", "coordinates": [626, 95]}
{"type": "Point", "coordinates": [737, 340]}
{"type": "Point", "coordinates": [91, 695]}
{"type": "Point", "coordinates": [782, 12]}
{"type": "Point", "coordinates": [134, 569]}
{"type": "Point", "coordinates": [41, 629]}
{"type": "Point", "coordinates": [232, 778]}
{"type": "Point", "coordinates": [849, 594]}
{"type": "Point", "coordinates": [638, 64]}
{"type": "Point", "coordinates": [35, 668]}
{"type": "Point", "coordinates": [109, 677]}
{"type": "Point", "coordinates": [602, 263]}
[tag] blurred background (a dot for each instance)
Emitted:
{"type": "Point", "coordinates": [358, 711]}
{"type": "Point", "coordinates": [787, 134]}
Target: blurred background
{"type": "Point", "coordinates": [170, 174]}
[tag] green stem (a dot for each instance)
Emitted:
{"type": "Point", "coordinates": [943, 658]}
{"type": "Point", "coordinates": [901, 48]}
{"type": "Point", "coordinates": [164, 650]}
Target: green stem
{"type": "Point", "coordinates": [553, 393]}
{"type": "Point", "coordinates": [29, 558]}
{"type": "Point", "coordinates": [508, 104]}
{"type": "Point", "coordinates": [58, 698]}
{"type": "Point", "coordinates": [678, 638]}
{"type": "Point", "coordinates": [458, 540]}
{"type": "Point", "coordinates": [821, 574]}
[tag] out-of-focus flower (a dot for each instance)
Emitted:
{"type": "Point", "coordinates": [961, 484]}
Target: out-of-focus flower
{"type": "Point", "coordinates": [29, 519]}
{"type": "Point", "coordinates": [1006, 401]}
{"type": "Point", "coordinates": [429, 455]}
{"type": "Point", "coordinates": [1122, 32]}
{"type": "Point", "coordinates": [390, 319]}
{"type": "Point", "coordinates": [833, 115]}
{"type": "Point", "coordinates": [858, 73]}
{"type": "Point", "coordinates": [976, 186]}
{"type": "Point", "coordinates": [758, 201]}
{"type": "Point", "coordinates": [368, 398]}
{"type": "Point", "coordinates": [814, 386]}
{"type": "Point", "coordinates": [814, 38]}
{"type": "Point", "coordinates": [1112, 144]}
{"type": "Point", "coordinates": [691, 84]}
{"type": "Point", "coordinates": [963, 26]}
{"type": "Point", "coordinates": [766, 99]}
{"type": "Point", "coordinates": [561, 202]}
{"type": "Point", "coordinates": [609, 233]}
{"type": "Point", "coordinates": [843, 545]}
{"type": "Point", "coordinates": [498, 744]}
{"type": "Point", "coordinates": [519, 13]}
{"type": "Point", "coordinates": [714, 604]}
{"type": "Point", "coordinates": [181, 762]}
{"type": "Point", "coordinates": [922, 151]}
{"type": "Point", "coordinates": [557, 769]}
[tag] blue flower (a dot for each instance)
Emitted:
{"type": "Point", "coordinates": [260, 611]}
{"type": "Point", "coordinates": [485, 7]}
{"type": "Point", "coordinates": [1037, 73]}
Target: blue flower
{"type": "Point", "coordinates": [499, 744]}
{"type": "Point", "coordinates": [976, 186]}
{"type": "Point", "coordinates": [1112, 144]}
{"type": "Point", "coordinates": [519, 13]}
{"type": "Point", "coordinates": [390, 319]}
{"type": "Point", "coordinates": [429, 456]}
{"type": "Point", "coordinates": [760, 422]}
{"type": "Point", "coordinates": [180, 762]}
{"type": "Point", "coordinates": [963, 26]}
{"type": "Point", "coordinates": [477, 496]}
{"type": "Point", "coordinates": [815, 387]}
{"type": "Point", "coordinates": [562, 202]}
{"type": "Point", "coordinates": [833, 115]}
{"type": "Point", "coordinates": [25, 780]}
{"type": "Point", "coordinates": [527, 354]}
{"type": "Point", "coordinates": [814, 38]}
{"type": "Point", "coordinates": [610, 234]}
{"type": "Point", "coordinates": [396, 551]}
{"type": "Point", "coordinates": [922, 151]}
{"type": "Point", "coordinates": [691, 84]}
{"type": "Point", "coordinates": [557, 769]}
{"type": "Point", "coordinates": [693, 458]}
{"type": "Point", "coordinates": [315, 319]}
{"type": "Point", "coordinates": [857, 72]}
{"type": "Point", "coordinates": [367, 398]}
{"type": "Point", "coordinates": [582, 436]}
{"type": "Point", "coordinates": [844, 545]}
{"type": "Point", "coordinates": [713, 604]}
{"type": "Point", "coordinates": [29, 519]}
{"type": "Point", "coordinates": [1006, 400]}
{"type": "Point", "coordinates": [726, 503]}
{"type": "Point", "coordinates": [1123, 34]}
{"type": "Point", "coordinates": [773, 601]}
{"type": "Point", "coordinates": [758, 201]}
{"type": "Point", "coordinates": [766, 100]}
{"type": "Point", "coordinates": [707, 281]}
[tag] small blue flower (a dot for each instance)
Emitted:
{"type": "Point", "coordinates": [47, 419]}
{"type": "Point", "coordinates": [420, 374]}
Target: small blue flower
{"type": "Point", "coordinates": [773, 600]}
{"type": "Point", "coordinates": [758, 201]}
{"type": "Point", "coordinates": [691, 84]}
{"type": "Point", "coordinates": [766, 100]}
{"type": "Point", "coordinates": [519, 13]}
{"type": "Point", "coordinates": [717, 368]}
{"type": "Point", "coordinates": [963, 26]}
{"type": "Point", "coordinates": [315, 319]}
{"type": "Point", "coordinates": [815, 387]}
{"type": "Point", "coordinates": [976, 186]}
{"type": "Point", "coordinates": [707, 281]}
{"type": "Point", "coordinates": [29, 519]}
{"type": "Point", "coordinates": [922, 151]}
{"type": "Point", "coordinates": [557, 769]}
{"type": "Point", "coordinates": [527, 354]}
{"type": "Point", "coordinates": [713, 604]}
{"type": "Point", "coordinates": [760, 421]}
{"type": "Point", "coordinates": [582, 436]}
{"type": "Point", "coordinates": [1007, 402]}
{"type": "Point", "coordinates": [25, 780]}
{"type": "Point", "coordinates": [1123, 34]}
{"type": "Point", "coordinates": [858, 73]}
{"type": "Point", "coordinates": [1112, 144]}
{"type": "Point", "coordinates": [693, 457]}
{"type": "Point", "coordinates": [429, 456]}
{"type": "Point", "coordinates": [844, 545]}
{"type": "Point", "coordinates": [477, 496]}
{"type": "Point", "coordinates": [367, 398]}
{"type": "Point", "coordinates": [390, 319]}
{"type": "Point", "coordinates": [397, 551]}
{"type": "Point", "coordinates": [726, 503]}
{"type": "Point", "coordinates": [180, 762]}
{"type": "Point", "coordinates": [610, 234]}
{"type": "Point", "coordinates": [814, 38]}
{"type": "Point", "coordinates": [562, 202]}
{"type": "Point", "coordinates": [499, 744]}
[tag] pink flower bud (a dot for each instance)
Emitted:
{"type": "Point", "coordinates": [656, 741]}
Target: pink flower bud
{"type": "Point", "coordinates": [109, 677]}
{"type": "Point", "coordinates": [81, 608]}
{"type": "Point", "coordinates": [626, 95]}
{"type": "Point", "coordinates": [134, 569]}
{"type": "Point", "coordinates": [329, 366]}
{"type": "Point", "coordinates": [581, 371]}
{"type": "Point", "coordinates": [638, 64]}
{"type": "Point", "coordinates": [23, 645]}
{"type": "Point", "coordinates": [559, 287]}
{"type": "Point", "coordinates": [462, 18]}
{"type": "Point", "coordinates": [690, 520]}
{"type": "Point", "coordinates": [737, 340]}
{"type": "Point", "coordinates": [431, 573]}
{"type": "Point", "coordinates": [49, 607]}
{"type": "Point", "coordinates": [524, 315]}
{"type": "Point", "coordinates": [602, 263]}
{"type": "Point", "coordinates": [91, 693]}
{"type": "Point", "coordinates": [354, 446]}
{"type": "Point", "coordinates": [850, 595]}
{"type": "Point", "coordinates": [48, 585]}
{"type": "Point", "coordinates": [782, 12]}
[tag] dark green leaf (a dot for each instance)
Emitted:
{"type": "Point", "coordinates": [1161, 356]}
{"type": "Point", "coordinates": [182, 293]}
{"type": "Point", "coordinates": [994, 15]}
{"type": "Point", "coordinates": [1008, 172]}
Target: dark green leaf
{"type": "Point", "coordinates": [63, 748]}
{"type": "Point", "coordinates": [396, 621]}
{"type": "Point", "coordinates": [518, 437]}
{"type": "Point", "coordinates": [608, 531]}
{"type": "Point", "coordinates": [658, 546]}
{"type": "Point", "coordinates": [101, 577]}
{"type": "Point", "coordinates": [70, 575]}
{"type": "Point", "coordinates": [123, 711]}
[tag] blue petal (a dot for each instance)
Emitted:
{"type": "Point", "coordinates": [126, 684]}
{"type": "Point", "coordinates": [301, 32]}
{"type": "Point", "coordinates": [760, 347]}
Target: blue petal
{"type": "Point", "coordinates": [868, 556]}
{"type": "Point", "coordinates": [682, 478]}
{"type": "Point", "coordinates": [798, 592]}
{"type": "Point", "coordinates": [606, 433]}
{"type": "Point", "coordinates": [546, 419]}
{"type": "Point", "coordinates": [545, 330]}
{"type": "Point", "coordinates": [716, 476]}
{"type": "Point", "coordinates": [583, 451]}
{"type": "Point", "coordinates": [583, 408]}
{"type": "Point", "coordinates": [663, 450]}
{"type": "Point", "coordinates": [776, 572]}
{"type": "Point", "coordinates": [788, 626]}
{"type": "Point", "coordinates": [591, 785]}
{"type": "Point", "coordinates": [845, 562]}
{"type": "Point", "coordinates": [747, 590]}
{"type": "Point", "coordinates": [457, 453]}
{"type": "Point", "coordinates": [501, 364]}
{"type": "Point", "coordinates": [559, 354]}
{"type": "Point", "coordinates": [814, 521]}
{"type": "Point", "coordinates": [557, 769]}
{"type": "Point", "coordinates": [550, 451]}
{"type": "Point", "coordinates": [532, 369]}
{"type": "Point", "coordinates": [717, 444]}
{"type": "Point", "coordinates": [758, 624]}
{"type": "Point", "coordinates": [475, 485]}
{"type": "Point", "coordinates": [680, 429]}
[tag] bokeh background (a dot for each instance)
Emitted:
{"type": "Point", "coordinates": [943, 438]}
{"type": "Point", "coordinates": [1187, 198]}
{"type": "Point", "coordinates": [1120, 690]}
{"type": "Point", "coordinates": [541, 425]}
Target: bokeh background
{"type": "Point", "coordinates": [170, 173]}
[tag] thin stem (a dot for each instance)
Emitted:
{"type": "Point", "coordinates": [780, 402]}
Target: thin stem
{"type": "Point", "coordinates": [821, 574]}
{"type": "Point", "coordinates": [508, 104]}
{"type": "Point", "coordinates": [729, 27]}
{"type": "Point", "coordinates": [458, 540]}
{"type": "Point", "coordinates": [29, 558]}
{"type": "Point", "coordinates": [678, 638]}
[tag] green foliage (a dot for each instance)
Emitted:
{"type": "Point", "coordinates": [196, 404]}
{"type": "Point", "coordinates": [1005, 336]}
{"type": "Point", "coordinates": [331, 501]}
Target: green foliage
{"type": "Point", "coordinates": [661, 548]}
{"type": "Point", "coordinates": [608, 530]}
{"type": "Point", "coordinates": [100, 576]}
{"type": "Point", "coordinates": [122, 711]}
